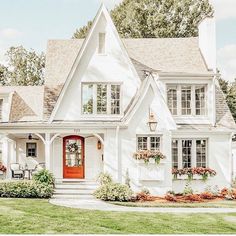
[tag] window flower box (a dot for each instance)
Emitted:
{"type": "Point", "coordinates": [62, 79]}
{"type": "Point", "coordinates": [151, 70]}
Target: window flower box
{"type": "Point", "coordinates": [148, 156]}
{"type": "Point", "coordinates": [192, 173]}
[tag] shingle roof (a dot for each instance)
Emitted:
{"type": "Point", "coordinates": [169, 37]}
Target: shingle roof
{"type": "Point", "coordinates": [164, 54]}
{"type": "Point", "coordinates": [223, 115]}
{"type": "Point", "coordinates": [26, 103]}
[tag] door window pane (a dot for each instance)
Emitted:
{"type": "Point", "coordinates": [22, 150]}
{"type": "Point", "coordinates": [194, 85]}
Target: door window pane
{"type": "Point", "coordinates": [172, 99]}
{"type": "Point", "coordinates": [101, 99]}
{"type": "Point", "coordinates": [201, 153]}
{"type": "Point", "coordinates": [115, 99]}
{"type": "Point", "coordinates": [186, 100]}
{"type": "Point", "coordinates": [73, 153]}
{"type": "Point", "coordinates": [186, 153]}
{"type": "Point", "coordinates": [87, 94]}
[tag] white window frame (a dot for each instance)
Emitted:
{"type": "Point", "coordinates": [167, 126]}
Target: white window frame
{"type": "Point", "coordinates": [108, 113]}
{"type": "Point", "coordinates": [149, 141]}
{"type": "Point", "coordinates": [193, 99]}
{"type": "Point", "coordinates": [193, 151]}
{"type": "Point", "coordinates": [102, 48]}
{"type": "Point", "coordinates": [1, 108]}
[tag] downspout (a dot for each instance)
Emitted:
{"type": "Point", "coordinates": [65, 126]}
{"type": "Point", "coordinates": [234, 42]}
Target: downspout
{"type": "Point", "coordinates": [119, 164]}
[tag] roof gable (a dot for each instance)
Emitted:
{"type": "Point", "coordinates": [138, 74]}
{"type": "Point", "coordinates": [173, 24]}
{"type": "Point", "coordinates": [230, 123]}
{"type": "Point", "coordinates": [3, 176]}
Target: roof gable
{"type": "Point", "coordinates": [89, 66]}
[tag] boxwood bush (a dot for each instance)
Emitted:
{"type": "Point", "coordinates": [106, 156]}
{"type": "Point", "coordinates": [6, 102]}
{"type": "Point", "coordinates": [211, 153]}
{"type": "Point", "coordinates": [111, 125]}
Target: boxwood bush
{"type": "Point", "coordinates": [25, 189]}
{"type": "Point", "coordinates": [110, 191]}
{"type": "Point", "coordinates": [41, 186]}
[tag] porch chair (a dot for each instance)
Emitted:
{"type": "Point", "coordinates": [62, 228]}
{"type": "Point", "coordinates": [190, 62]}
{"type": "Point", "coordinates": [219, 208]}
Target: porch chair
{"type": "Point", "coordinates": [17, 171]}
{"type": "Point", "coordinates": [31, 166]}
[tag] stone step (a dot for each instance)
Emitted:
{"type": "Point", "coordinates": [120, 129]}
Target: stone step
{"type": "Point", "coordinates": [74, 191]}
{"type": "Point", "coordinates": [76, 186]}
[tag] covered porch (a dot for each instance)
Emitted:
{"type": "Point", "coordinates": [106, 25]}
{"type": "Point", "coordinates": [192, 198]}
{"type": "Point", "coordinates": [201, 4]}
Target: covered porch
{"type": "Point", "coordinates": [73, 155]}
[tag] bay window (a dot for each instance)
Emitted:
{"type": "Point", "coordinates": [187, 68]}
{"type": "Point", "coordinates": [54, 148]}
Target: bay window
{"type": "Point", "coordinates": [151, 143]}
{"type": "Point", "coordinates": [187, 153]}
{"type": "Point", "coordinates": [187, 100]}
{"type": "Point", "coordinates": [101, 99]}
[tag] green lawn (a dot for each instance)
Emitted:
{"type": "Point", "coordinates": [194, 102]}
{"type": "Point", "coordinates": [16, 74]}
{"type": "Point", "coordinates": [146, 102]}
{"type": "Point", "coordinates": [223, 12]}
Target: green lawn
{"type": "Point", "coordinates": [38, 216]}
{"type": "Point", "coordinates": [214, 204]}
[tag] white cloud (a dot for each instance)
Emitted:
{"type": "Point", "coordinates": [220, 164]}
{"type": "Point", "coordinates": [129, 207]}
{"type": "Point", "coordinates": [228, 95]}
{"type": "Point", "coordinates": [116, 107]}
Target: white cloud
{"type": "Point", "coordinates": [9, 33]}
{"type": "Point", "coordinates": [224, 9]}
{"type": "Point", "coordinates": [227, 61]}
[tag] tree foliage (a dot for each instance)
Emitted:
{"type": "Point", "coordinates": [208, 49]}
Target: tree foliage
{"type": "Point", "coordinates": [156, 18]}
{"type": "Point", "coordinates": [229, 90]}
{"type": "Point", "coordinates": [23, 67]}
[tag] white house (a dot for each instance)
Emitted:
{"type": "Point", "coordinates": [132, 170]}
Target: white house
{"type": "Point", "coordinates": [98, 98]}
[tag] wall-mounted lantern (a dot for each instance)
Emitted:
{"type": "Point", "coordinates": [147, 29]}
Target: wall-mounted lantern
{"type": "Point", "coordinates": [99, 145]}
{"type": "Point", "coordinates": [152, 122]}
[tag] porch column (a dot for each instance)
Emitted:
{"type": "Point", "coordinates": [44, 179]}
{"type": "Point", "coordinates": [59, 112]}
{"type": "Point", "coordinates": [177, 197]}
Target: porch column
{"type": "Point", "coordinates": [47, 144]}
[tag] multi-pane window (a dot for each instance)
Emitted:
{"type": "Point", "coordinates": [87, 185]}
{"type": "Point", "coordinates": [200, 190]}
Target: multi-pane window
{"type": "Point", "coordinates": [87, 100]}
{"type": "Point", "coordinates": [187, 100]}
{"type": "Point", "coordinates": [175, 153]}
{"type": "Point", "coordinates": [172, 99]}
{"type": "Point", "coordinates": [155, 143]}
{"type": "Point", "coordinates": [115, 99]}
{"type": "Point", "coordinates": [31, 149]}
{"type": "Point", "coordinates": [201, 153]}
{"type": "Point", "coordinates": [1, 105]}
{"type": "Point", "coordinates": [142, 143]}
{"type": "Point", "coordinates": [187, 153]}
{"type": "Point", "coordinates": [148, 143]}
{"type": "Point", "coordinates": [200, 100]}
{"type": "Point", "coordinates": [101, 43]}
{"type": "Point", "coordinates": [101, 98]}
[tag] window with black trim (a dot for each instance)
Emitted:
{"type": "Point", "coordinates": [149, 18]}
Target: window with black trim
{"type": "Point", "coordinates": [31, 149]}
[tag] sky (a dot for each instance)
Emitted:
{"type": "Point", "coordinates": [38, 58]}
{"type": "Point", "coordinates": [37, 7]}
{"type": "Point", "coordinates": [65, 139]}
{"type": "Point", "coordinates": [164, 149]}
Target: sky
{"type": "Point", "coordinates": [31, 23]}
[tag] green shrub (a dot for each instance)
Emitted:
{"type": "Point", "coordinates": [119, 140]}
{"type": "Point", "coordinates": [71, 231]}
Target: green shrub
{"type": "Point", "coordinates": [105, 178]}
{"type": "Point", "coordinates": [25, 189]}
{"type": "Point", "coordinates": [113, 192]}
{"type": "Point", "coordinates": [44, 177]}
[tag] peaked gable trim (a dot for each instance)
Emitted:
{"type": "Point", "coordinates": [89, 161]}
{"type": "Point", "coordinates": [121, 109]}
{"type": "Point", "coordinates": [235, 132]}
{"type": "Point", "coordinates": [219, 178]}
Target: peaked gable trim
{"type": "Point", "coordinates": [102, 10]}
{"type": "Point", "coordinates": [148, 82]}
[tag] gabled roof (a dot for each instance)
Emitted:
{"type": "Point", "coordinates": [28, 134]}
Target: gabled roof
{"type": "Point", "coordinates": [26, 103]}
{"type": "Point", "coordinates": [161, 54]}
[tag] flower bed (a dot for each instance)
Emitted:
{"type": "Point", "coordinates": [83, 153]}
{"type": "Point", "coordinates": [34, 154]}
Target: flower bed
{"type": "Point", "coordinates": [190, 172]}
{"type": "Point", "coordinates": [146, 155]}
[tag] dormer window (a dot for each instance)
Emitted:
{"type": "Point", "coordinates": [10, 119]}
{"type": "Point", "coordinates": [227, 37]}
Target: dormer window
{"type": "Point", "coordinates": [101, 43]}
{"type": "Point", "coordinates": [1, 109]}
{"type": "Point", "coordinates": [187, 100]}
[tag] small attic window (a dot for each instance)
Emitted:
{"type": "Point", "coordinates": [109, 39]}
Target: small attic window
{"type": "Point", "coordinates": [101, 43]}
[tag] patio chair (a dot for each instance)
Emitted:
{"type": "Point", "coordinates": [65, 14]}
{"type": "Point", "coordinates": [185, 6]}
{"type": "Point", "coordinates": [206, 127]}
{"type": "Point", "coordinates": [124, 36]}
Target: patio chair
{"type": "Point", "coordinates": [31, 166]}
{"type": "Point", "coordinates": [17, 171]}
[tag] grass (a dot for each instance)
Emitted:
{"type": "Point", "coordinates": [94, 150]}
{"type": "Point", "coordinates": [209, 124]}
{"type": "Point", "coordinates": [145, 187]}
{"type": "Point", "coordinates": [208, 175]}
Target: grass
{"type": "Point", "coordinates": [19, 216]}
{"type": "Point", "coordinates": [212, 204]}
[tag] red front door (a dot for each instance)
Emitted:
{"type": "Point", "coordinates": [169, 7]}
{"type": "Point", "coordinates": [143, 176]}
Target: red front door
{"type": "Point", "coordinates": [73, 157]}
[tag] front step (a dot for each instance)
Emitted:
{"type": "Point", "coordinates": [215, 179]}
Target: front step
{"type": "Point", "coordinates": [74, 189]}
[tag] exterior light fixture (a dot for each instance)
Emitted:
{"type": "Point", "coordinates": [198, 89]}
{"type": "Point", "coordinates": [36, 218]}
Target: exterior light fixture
{"type": "Point", "coordinates": [152, 122]}
{"type": "Point", "coordinates": [99, 145]}
{"type": "Point", "coordinates": [30, 137]}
